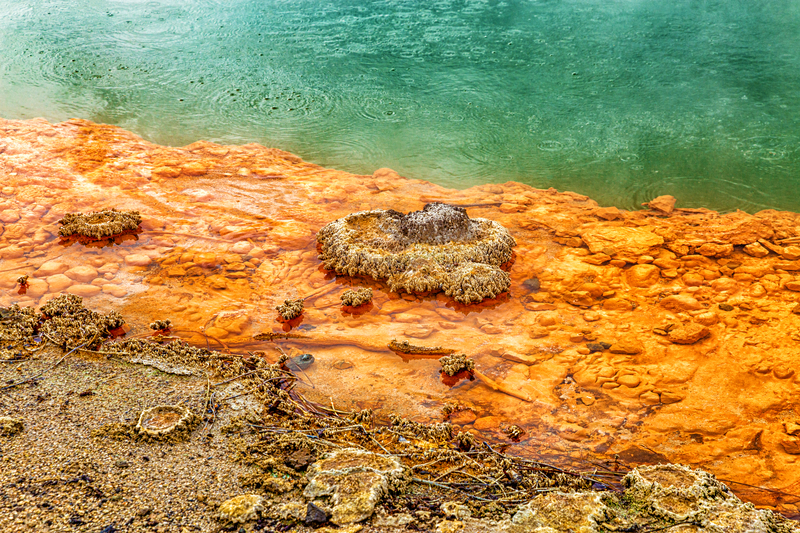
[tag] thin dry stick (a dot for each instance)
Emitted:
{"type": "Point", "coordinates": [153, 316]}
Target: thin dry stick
{"type": "Point", "coordinates": [207, 399]}
{"type": "Point", "coordinates": [455, 468]}
{"type": "Point", "coordinates": [501, 388]}
{"type": "Point", "coordinates": [43, 371]}
{"type": "Point", "coordinates": [448, 487]}
{"type": "Point", "coordinates": [236, 395]}
{"type": "Point", "coordinates": [235, 378]}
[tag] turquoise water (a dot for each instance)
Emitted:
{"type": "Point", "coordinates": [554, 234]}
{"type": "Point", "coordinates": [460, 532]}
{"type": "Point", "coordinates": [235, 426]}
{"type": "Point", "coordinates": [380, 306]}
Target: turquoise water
{"type": "Point", "coordinates": [619, 100]}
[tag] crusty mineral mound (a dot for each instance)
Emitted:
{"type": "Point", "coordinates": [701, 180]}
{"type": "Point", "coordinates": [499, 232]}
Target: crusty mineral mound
{"type": "Point", "coordinates": [354, 481]}
{"type": "Point", "coordinates": [453, 364]}
{"type": "Point", "coordinates": [100, 224]}
{"type": "Point", "coordinates": [674, 492]}
{"type": "Point", "coordinates": [675, 497]}
{"type": "Point", "coordinates": [436, 249]}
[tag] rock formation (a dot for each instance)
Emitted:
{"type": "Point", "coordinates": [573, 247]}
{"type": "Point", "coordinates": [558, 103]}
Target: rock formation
{"type": "Point", "coordinates": [436, 249]}
{"type": "Point", "coordinates": [101, 224]}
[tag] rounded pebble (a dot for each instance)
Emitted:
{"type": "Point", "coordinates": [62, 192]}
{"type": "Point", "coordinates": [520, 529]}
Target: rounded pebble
{"type": "Point", "coordinates": [586, 399]}
{"type": "Point", "coordinates": [9, 216]}
{"type": "Point", "coordinates": [140, 260]}
{"type": "Point", "coordinates": [59, 282]}
{"type": "Point", "coordinates": [643, 275]}
{"type": "Point", "coordinates": [487, 422]}
{"type": "Point", "coordinates": [36, 287]}
{"type": "Point", "coordinates": [51, 268]}
{"type": "Point", "coordinates": [205, 259]}
{"type": "Point", "coordinates": [629, 380]}
{"type": "Point", "coordinates": [114, 290]}
{"type": "Point", "coordinates": [82, 273]}
{"type": "Point", "coordinates": [591, 316]}
{"type": "Point", "coordinates": [241, 247]}
{"type": "Point", "coordinates": [11, 252]}
{"type": "Point", "coordinates": [548, 319]}
{"type": "Point", "coordinates": [84, 291]}
{"type": "Point", "coordinates": [467, 416]}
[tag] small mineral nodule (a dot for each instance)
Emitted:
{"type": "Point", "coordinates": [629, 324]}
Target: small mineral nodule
{"type": "Point", "coordinates": [514, 432]}
{"type": "Point", "coordinates": [465, 441]}
{"type": "Point", "coordinates": [354, 298]}
{"type": "Point", "coordinates": [23, 280]}
{"type": "Point", "coordinates": [98, 225]}
{"type": "Point", "coordinates": [241, 509]}
{"type": "Point", "coordinates": [161, 325]}
{"type": "Point", "coordinates": [453, 364]}
{"type": "Point", "coordinates": [165, 420]}
{"type": "Point", "coordinates": [343, 364]}
{"type": "Point", "coordinates": [10, 426]}
{"type": "Point", "coordinates": [69, 324]}
{"type": "Point", "coordinates": [437, 249]}
{"type": "Point", "coordinates": [290, 309]}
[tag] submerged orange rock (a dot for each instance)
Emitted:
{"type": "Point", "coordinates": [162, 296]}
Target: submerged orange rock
{"type": "Point", "coordinates": [230, 232]}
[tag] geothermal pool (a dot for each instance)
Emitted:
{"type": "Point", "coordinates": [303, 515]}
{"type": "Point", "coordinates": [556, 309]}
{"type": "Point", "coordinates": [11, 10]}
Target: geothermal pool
{"type": "Point", "coordinates": [621, 101]}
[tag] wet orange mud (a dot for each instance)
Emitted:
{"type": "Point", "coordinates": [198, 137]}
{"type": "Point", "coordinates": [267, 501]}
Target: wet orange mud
{"type": "Point", "coordinates": [652, 336]}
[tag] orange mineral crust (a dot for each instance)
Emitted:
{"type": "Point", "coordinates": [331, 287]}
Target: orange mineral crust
{"type": "Point", "coordinates": [626, 337]}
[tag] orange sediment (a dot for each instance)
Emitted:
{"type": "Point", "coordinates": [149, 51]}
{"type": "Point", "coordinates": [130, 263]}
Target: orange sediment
{"type": "Point", "coordinates": [574, 353]}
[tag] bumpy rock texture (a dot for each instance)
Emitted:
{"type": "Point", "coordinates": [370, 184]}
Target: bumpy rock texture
{"type": "Point", "coordinates": [355, 481]}
{"type": "Point", "coordinates": [10, 426]}
{"type": "Point", "coordinates": [661, 497]}
{"type": "Point", "coordinates": [436, 249]}
{"type": "Point", "coordinates": [241, 509]}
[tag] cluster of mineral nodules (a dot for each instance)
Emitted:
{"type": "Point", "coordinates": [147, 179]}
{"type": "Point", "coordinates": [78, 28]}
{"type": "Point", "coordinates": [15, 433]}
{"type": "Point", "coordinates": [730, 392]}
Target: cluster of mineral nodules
{"type": "Point", "coordinates": [290, 309]}
{"type": "Point", "coordinates": [436, 249]}
{"type": "Point", "coordinates": [356, 297]}
{"type": "Point", "coordinates": [453, 364]}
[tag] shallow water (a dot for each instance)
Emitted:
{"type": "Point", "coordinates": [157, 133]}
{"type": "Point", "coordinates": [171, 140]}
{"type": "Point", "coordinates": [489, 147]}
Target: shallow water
{"type": "Point", "coordinates": [229, 232]}
{"type": "Point", "coordinates": [621, 101]}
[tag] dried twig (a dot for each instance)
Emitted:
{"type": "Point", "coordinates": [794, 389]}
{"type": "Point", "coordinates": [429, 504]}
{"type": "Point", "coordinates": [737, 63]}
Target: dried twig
{"type": "Point", "coordinates": [32, 378]}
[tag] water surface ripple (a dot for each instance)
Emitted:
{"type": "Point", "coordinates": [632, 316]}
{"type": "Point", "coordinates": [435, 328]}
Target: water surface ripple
{"type": "Point", "coordinates": [621, 101]}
